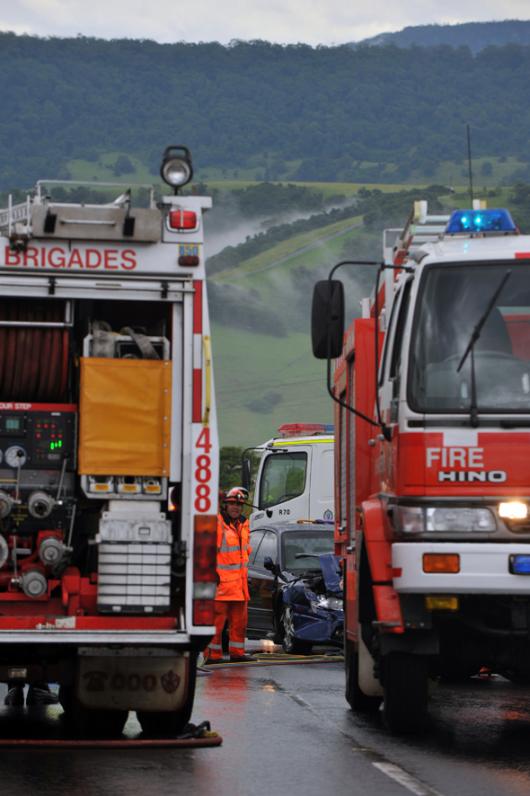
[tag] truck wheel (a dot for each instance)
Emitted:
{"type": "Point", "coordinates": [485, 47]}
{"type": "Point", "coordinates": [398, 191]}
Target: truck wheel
{"type": "Point", "coordinates": [160, 723]}
{"type": "Point", "coordinates": [357, 699]}
{"type": "Point", "coordinates": [86, 723]}
{"type": "Point", "coordinates": [405, 692]}
{"type": "Point", "coordinates": [290, 644]}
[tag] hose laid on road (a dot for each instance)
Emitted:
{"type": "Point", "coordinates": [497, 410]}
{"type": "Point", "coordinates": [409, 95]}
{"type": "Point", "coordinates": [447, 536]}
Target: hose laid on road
{"type": "Point", "coordinates": [272, 659]}
{"type": "Point", "coordinates": [196, 735]}
{"type": "Point", "coordinates": [113, 743]}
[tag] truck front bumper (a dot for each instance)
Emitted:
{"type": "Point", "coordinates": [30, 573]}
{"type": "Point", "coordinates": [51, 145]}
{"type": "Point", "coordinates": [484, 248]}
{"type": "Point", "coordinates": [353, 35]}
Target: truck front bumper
{"type": "Point", "coordinates": [484, 568]}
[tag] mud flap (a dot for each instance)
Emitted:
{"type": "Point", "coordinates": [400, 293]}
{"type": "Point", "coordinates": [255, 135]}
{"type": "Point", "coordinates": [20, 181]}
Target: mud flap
{"type": "Point", "coordinates": [368, 683]}
{"type": "Point", "coordinates": [115, 682]}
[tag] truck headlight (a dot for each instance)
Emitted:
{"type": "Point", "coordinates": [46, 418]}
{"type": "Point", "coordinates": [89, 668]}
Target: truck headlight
{"type": "Point", "coordinates": [419, 519]}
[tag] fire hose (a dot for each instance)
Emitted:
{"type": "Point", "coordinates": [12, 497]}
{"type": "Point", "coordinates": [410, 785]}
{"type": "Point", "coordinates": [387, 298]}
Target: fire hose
{"type": "Point", "coordinates": [33, 360]}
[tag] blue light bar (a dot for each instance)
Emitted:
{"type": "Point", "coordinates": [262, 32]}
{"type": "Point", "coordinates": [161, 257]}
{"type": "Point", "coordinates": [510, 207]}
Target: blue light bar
{"type": "Point", "coordinates": [520, 564]}
{"type": "Point", "coordinates": [329, 428]}
{"type": "Point", "coordinates": [471, 221]}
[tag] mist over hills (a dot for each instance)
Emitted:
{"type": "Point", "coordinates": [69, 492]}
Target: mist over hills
{"type": "Point", "coordinates": [256, 110]}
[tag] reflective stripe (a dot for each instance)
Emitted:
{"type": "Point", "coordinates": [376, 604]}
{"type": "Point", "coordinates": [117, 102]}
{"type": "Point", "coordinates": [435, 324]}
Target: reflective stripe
{"type": "Point", "coordinates": [227, 548]}
{"type": "Point", "coordinates": [228, 566]}
{"type": "Point", "coordinates": [239, 644]}
{"type": "Point", "coordinates": [319, 441]}
{"type": "Point", "coordinates": [215, 646]}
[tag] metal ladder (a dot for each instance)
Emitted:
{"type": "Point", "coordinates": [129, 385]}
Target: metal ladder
{"type": "Point", "coordinates": [420, 228]}
{"type": "Point", "coordinates": [15, 215]}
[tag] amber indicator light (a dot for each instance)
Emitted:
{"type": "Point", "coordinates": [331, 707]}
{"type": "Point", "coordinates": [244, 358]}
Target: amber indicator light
{"type": "Point", "coordinates": [441, 563]}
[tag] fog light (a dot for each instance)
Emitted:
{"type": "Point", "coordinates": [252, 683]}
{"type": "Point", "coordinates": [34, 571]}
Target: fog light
{"type": "Point", "coordinates": [513, 510]}
{"type": "Point", "coordinates": [441, 563]}
{"type": "Point", "coordinates": [441, 603]}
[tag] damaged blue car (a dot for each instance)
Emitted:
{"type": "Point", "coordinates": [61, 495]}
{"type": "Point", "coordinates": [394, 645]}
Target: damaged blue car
{"type": "Point", "coordinates": [313, 608]}
{"type": "Point", "coordinates": [295, 586]}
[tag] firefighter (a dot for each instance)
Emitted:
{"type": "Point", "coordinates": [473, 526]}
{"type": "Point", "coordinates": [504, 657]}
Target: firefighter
{"type": "Point", "coordinates": [231, 599]}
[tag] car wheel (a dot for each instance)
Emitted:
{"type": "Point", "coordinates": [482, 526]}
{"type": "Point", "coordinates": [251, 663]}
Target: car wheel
{"type": "Point", "coordinates": [277, 625]}
{"type": "Point", "coordinates": [292, 645]}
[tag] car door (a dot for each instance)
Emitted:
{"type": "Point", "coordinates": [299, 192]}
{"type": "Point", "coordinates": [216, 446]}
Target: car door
{"type": "Point", "coordinates": [261, 582]}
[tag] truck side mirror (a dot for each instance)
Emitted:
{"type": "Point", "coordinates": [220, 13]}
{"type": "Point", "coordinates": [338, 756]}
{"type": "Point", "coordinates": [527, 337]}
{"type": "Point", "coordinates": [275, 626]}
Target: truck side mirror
{"type": "Point", "coordinates": [327, 319]}
{"type": "Point", "coordinates": [245, 474]}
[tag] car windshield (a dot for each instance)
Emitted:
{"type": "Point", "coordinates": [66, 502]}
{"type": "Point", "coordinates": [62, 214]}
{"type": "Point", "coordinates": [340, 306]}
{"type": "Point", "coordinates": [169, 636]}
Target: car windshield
{"type": "Point", "coordinates": [283, 478]}
{"type": "Point", "coordinates": [451, 302]}
{"type": "Point", "coordinates": [305, 544]}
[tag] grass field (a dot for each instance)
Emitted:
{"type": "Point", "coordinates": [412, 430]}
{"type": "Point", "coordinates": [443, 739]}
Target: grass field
{"type": "Point", "coordinates": [487, 172]}
{"type": "Point", "coordinates": [278, 376]}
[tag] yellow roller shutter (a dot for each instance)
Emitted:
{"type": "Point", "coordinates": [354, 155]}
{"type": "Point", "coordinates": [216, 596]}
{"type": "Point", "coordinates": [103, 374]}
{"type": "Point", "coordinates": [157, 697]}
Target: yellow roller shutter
{"type": "Point", "coordinates": [125, 414]}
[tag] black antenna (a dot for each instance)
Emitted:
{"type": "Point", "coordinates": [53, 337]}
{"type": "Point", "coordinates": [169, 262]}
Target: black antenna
{"type": "Point", "coordinates": [470, 170]}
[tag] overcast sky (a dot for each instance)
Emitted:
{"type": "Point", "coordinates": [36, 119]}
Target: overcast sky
{"type": "Point", "coordinates": [285, 21]}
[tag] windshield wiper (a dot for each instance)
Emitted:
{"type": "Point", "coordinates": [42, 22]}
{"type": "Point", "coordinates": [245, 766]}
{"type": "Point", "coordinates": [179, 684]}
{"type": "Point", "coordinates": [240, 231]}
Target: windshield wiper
{"type": "Point", "coordinates": [470, 348]}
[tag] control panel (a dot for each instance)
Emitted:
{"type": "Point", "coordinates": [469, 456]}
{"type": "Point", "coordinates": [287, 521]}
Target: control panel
{"type": "Point", "coordinates": [37, 436]}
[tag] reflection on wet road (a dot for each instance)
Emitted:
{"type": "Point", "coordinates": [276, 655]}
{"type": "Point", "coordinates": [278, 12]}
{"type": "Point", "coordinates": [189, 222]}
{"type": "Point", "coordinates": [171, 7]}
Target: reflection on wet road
{"type": "Point", "coordinates": [287, 729]}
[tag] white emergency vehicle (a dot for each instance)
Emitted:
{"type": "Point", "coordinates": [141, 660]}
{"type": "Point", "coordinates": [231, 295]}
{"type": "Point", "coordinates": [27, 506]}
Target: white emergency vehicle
{"type": "Point", "coordinates": [295, 476]}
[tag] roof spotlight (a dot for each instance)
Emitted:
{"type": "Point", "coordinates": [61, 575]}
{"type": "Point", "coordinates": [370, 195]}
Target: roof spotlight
{"type": "Point", "coordinates": [176, 169]}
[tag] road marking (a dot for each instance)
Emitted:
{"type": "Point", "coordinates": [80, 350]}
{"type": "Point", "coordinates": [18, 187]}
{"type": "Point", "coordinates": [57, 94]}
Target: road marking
{"type": "Point", "coordinates": [404, 778]}
{"type": "Point", "coordinates": [391, 770]}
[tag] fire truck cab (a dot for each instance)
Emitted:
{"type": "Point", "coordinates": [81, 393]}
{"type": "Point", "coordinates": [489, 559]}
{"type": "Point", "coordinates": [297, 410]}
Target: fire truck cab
{"type": "Point", "coordinates": [432, 391]}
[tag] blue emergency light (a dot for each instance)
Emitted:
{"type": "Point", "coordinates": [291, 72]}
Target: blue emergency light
{"type": "Point", "coordinates": [471, 221]}
{"type": "Point", "coordinates": [520, 564]}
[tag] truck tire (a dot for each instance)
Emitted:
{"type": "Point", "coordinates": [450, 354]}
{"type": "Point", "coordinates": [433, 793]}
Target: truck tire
{"type": "Point", "coordinates": [357, 699]}
{"type": "Point", "coordinates": [159, 723]}
{"type": "Point", "coordinates": [84, 722]}
{"type": "Point", "coordinates": [290, 644]}
{"type": "Point", "coordinates": [406, 692]}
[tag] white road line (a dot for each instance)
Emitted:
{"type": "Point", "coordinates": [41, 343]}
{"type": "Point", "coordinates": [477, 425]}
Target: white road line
{"type": "Point", "coordinates": [391, 770]}
{"type": "Point", "coordinates": [407, 780]}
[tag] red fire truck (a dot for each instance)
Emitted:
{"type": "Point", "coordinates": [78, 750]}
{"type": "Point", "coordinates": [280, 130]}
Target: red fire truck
{"type": "Point", "coordinates": [432, 392]}
{"type": "Point", "coordinates": [108, 451]}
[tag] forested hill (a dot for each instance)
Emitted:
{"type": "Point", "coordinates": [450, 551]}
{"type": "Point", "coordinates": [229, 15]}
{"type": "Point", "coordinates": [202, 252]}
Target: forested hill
{"type": "Point", "coordinates": [475, 35]}
{"type": "Point", "coordinates": [295, 112]}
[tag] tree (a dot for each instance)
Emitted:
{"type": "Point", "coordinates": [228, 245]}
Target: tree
{"type": "Point", "coordinates": [123, 166]}
{"type": "Point", "coordinates": [230, 467]}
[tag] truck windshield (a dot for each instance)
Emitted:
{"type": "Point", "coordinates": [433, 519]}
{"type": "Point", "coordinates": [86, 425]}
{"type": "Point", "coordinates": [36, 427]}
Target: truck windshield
{"type": "Point", "coordinates": [283, 478]}
{"type": "Point", "coordinates": [450, 303]}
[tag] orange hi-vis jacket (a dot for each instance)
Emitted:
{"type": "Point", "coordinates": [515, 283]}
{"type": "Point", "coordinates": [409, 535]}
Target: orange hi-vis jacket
{"type": "Point", "coordinates": [233, 550]}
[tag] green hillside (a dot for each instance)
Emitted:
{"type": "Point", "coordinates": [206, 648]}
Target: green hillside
{"type": "Point", "coordinates": [259, 111]}
{"type": "Point", "coordinates": [263, 380]}
{"type": "Point", "coordinates": [475, 35]}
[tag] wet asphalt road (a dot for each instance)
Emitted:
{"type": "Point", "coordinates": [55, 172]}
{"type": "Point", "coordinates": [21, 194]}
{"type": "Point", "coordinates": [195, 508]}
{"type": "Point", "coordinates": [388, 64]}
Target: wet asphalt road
{"type": "Point", "coordinates": [287, 729]}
